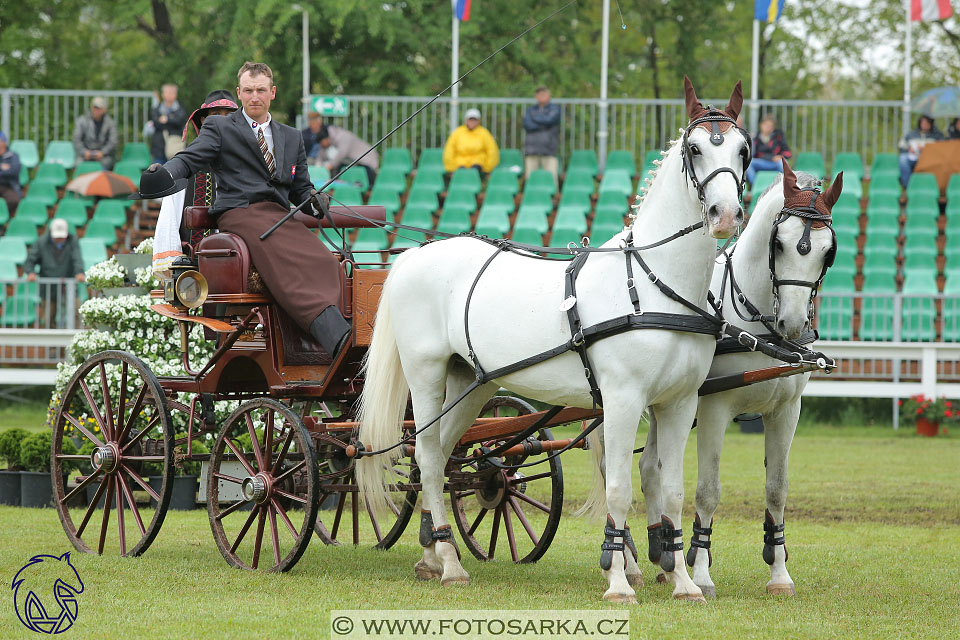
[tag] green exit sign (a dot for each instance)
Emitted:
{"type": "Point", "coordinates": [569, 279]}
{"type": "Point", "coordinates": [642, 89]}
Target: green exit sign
{"type": "Point", "coordinates": [330, 105]}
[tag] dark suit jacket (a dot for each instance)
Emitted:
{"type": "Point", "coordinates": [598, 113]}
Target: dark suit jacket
{"type": "Point", "coordinates": [227, 145]}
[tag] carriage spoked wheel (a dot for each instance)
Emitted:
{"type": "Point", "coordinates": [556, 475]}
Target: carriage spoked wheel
{"type": "Point", "coordinates": [521, 505]}
{"type": "Point", "coordinates": [114, 413]}
{"type": "Point", "coordinates": [262, 483]}
{"type": "Point", "coordinates": [346, 517]}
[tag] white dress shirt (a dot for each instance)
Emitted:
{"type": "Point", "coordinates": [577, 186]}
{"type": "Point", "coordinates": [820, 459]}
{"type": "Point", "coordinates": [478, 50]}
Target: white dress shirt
{"type": "Point", "coordinates": [267, 130]}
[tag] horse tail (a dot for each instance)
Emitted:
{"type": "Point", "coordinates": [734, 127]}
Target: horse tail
{"type": "Point", "coordinates": [595, 506]}
{"type": "Point", "coordinates": [382, 405]}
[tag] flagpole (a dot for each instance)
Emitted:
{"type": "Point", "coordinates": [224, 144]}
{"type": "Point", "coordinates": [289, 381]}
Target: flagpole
{"type": "Point", "coordinates": [755, 76]}
{"type": "Point", "coordinates": [602, 132]}
{"type": "Point", "coordinates": [454, 70]}
{"type": "Point", "coordinates": [908, 63]}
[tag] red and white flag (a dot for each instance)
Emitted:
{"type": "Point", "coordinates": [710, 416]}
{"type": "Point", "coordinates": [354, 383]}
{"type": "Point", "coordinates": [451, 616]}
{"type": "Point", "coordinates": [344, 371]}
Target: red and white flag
{"type": "Point", "coordinates": [927, 10]}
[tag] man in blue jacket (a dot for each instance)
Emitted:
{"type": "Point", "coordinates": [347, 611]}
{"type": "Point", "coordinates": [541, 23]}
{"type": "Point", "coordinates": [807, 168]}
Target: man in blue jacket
{"type": "Point", "coordinates": [542, 124]}
{"type": "Point", "coordinates": [9, 175]}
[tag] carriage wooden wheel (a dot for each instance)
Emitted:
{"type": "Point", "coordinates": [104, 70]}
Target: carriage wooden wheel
{"type": "Point", "coordinates": [114, 412]}
{"type": "Point", "coordinates": [262, 487]}
{"type": "Point", "coordinates": [522, 505]}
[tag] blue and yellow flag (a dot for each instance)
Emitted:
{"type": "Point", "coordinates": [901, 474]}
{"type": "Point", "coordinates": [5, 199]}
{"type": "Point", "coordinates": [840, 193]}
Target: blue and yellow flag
{"type": "Point", "coordinates": [767, 10]}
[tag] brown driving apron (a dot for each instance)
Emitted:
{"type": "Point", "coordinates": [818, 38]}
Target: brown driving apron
{"type": "Point", "coordinates": [302, 275]}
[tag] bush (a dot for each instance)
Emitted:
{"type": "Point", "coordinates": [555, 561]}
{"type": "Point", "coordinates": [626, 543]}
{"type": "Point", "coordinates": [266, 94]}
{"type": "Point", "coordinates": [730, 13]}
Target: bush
{"type": "Point", "coordinates": [10, 446]}
{"type": "Point", "coordinates": [35, 451]}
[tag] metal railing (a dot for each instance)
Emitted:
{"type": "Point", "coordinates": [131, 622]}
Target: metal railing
{"type": "Point", "coordinates": [44, 115]}
{"type": "Point", "coordinates": [637, 126]}
{"type": "Point", "coordinates": [45, 303]}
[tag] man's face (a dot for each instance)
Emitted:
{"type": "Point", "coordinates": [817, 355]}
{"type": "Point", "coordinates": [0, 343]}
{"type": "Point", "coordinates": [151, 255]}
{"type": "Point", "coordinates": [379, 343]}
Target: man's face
{"type": "Point", "coordinates": [315, 125]}
{"type": "Point", "coordinates": [925, 124]}
{"type": "Point", "coordinates": [543, 97]}
{"type": "Point", "coordinates": [168, 93]}
{"type": "Point", "coordinates": [256, 93]}
{"type": "Point", "coordinates": [3, 147]}
{"type": "Point", "coordinates": [97, 112]}
{"type": "Point", "coordinates": [472, 123]}
{"type": "Point", "coordinates": [766, 127]}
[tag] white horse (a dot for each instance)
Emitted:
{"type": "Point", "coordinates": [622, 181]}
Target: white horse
{"type": "Point", "coordinates": [518, 309]}
{"type": "Point", "coordinates": [802, 250]}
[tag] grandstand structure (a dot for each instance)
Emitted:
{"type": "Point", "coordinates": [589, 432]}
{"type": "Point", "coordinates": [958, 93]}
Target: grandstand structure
{"type": "Point", "coordinates": [895, 282]}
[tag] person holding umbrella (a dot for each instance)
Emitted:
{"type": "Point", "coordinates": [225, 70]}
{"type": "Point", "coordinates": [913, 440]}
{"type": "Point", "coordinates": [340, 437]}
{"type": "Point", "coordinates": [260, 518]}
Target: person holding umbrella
{"type": "Point", "coordinates": [913, 143]}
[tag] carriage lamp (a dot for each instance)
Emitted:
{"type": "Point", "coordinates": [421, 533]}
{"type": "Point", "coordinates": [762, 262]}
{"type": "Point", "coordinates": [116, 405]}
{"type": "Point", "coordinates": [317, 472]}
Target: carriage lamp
{"type": "Point", "coordinates": [186, 288]}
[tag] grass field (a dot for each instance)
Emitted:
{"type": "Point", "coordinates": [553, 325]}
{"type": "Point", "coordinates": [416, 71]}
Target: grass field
{"type": "Point", "coordinates": [873, 528]}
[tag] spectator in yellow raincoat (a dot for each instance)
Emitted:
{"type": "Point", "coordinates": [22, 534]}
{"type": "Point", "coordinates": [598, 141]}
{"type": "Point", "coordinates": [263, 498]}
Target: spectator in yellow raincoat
{"type": "Point", "coordinates": [471, 145]}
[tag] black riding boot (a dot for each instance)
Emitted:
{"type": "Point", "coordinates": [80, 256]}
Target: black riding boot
{"type": "Point", "coordinates": [331, 330]}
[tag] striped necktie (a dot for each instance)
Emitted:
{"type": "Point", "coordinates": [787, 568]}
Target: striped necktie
{"type": "Point", "coordinates": [267, 156]}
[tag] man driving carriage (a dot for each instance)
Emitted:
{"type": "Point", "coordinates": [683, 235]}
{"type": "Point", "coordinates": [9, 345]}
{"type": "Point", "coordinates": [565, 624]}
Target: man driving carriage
{"type": "Point", "coordinates": [259, 166]}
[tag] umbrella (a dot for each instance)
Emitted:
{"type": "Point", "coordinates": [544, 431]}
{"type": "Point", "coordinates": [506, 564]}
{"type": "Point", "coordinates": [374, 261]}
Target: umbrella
{"type": "Point", "coordinates": [102, 183]}
{"type": "Point", "coordinates": [938, 103]}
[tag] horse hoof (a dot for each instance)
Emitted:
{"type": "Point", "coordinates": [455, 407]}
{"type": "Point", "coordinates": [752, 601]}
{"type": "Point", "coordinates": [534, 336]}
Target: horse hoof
{"type": "Point", "coordinates": [690, 597]}
{"type": "Point", "coordinates": [425, 572]}
{"type": "Point", "coordinates": [635, 579]}
{"type": "Point", "coordinates": [454, 581]}
{"type": "Point", "coordinates": [781, 589]}
{"type": "Point", "coordinates": [620, 598]}
{"type": "Point", "coordinates": [662, 577]}
{"type": "Point", "coordinates": [709, 592]}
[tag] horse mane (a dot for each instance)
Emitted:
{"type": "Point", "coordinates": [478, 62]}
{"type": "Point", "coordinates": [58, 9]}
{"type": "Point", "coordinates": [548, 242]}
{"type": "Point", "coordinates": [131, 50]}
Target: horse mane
{"type": "Point", "coordinates": [648, 180]}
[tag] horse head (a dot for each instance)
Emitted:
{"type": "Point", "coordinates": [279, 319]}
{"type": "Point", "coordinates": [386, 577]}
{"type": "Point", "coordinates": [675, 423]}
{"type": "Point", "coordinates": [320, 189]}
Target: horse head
{"type": "Point", "coordinates": [802, 247]}
{"type": "Point", "coordinates": [38, 584]}
{"type": "Point", "coordinates": [716, 154]}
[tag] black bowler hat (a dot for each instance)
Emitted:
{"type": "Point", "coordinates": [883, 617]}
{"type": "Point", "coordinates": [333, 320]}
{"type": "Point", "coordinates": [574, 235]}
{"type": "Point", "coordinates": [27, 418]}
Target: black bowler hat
{"type": "Point", "coordinates": [218, 99]}
{"type": "Point", "coordinates": [157, 184]}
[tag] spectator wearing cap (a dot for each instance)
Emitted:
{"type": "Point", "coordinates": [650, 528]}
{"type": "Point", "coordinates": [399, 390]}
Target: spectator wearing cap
{"type": "Point", "coordinates": [95, 136]}
{"type": "Point", "coordinates": [471, 145]}
{"type": "Point", "coordinates": [311, 138]}
{"type": "Point", "coordinates": [340, 147]}
{"type": "Point", "coordinates": [542, 124]}
{"type": "Point", "coordinates": [167, 119]}
{"type": "Point", "coordinates": [57, 253]}
{"type": "Point", "coordinates": [9, 175]}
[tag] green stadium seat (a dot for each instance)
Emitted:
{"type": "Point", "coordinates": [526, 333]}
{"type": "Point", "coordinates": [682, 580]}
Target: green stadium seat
{"type": "Point", "coordinates": [531, 218]}
{"type": "Point", "coordinates": [584, 159]}
{"type": "Point", "coordinates": [4, 212]}
{"type": "Point", "coordinates": [848, 205]}
{"type": "Point", "coordinates": [431, 158]}
{"type": "Point", "coordinates": [913, 260]}
{"type": "Point", "coordinates": [419, 215]}
{"type": "Point", "coordinates": [14, 247]}
{"type": "Point", "coordinates": [512, 160]}
{"type": "Point", "coordinates": [846, 258]}
{"type": "Point", "coordinates": [579, 180]}
{"type": "Point", "coordinates": [880, 279]}
{"type": "Point", "coordinates": [34, 211]}
{"type": "Point", "coordinates": [918, 319]}
{"type": "Point", "coordinates": [358, 177]}
{"type": "Point", "coordinates": [493, 221]}
{"type": "Point", "coordinates": [763, 180]}
{"type": "Point", "coordinates": [467, 180]}
{"type": "Point", "coordinates": [876, 319]}
{"type": "Point", "coordinates": [617, 180]}
{"type": "Point", "coordinates": [454, 219]}
{"type": "Point", "coordinates": [885, 186]}
{"type": "Point", "coordinates": [922, 183]}
{"type": "Point", "coordinates": [406, 239]}
{"type": "Point", "coordinates": [953, 188]}
{"type": "Point", "coordinates": [93, 251]}
{"type": "Point", "coordinates": [20, 310]}
{"type": "Point", "coordinates": [503, 199]}
{"type": "Point", "coordinates": [951, 320]}
{"type": "Point", "coordinates": [73, 211]}
{"type": "Point", "coordinates": [835, 316]}
{"type": "Point", "coordinates": [396, 158]}
{"type": "Point", "coordinates": [27, 151]}
{"type": "Point", "coordinates": [370, 239]}
{"type": "Point", "coordinates": [464, 200]}
{"type": "Point", "coordinates": [61, 152]}
{"type": "Point", "coordinates": [563, 237]}
{"type": "Point", "coordinates": [811, 162]}
{"type": "Point", "coordinates": [102, 230]}
{"type": "Point", "coordinates": [503, 180]}
{"type": "Point", "coordinates": [391, 179]}
{"type": "Point", "coordinates": [24, 176]}
{"type": "Point", "coordinates": [846, 238]}
{"type": "Point", "coordinates": [43, 192]}
{"type": "Point", "coordinates": [87, 166]}
{"type": "Point", "coordinates": [527, 236]}
{"type": "Point", "coordinates": [621, 160]}
{"type": "Point", "coordinates": [541, 198]}
{"type": "Point", "coordinates": [920, 245]}
{"type": "Point", "coordinates": [885, 164]}
{"type": "Point", "coordinates": [650, 156]}
{"type": "Point", "coordinates": [920, 280]}
{"type": "Point", "coordinates": [423, 198]}
{"type": "Point", "coordinates": [880, 243]}
{"type": "Point", "coordinates": [8, 271]}
{"type": "Point", "coordinates": [344, 193]}
{"type": "Point", "coordinates": [576, 198]}
{"type": "Point", "coordinates": [112, 211]}
{"type": "Point", "coordinates": [50, 173]}
{"type": "Point", "coordinates": [852, 166]}
{"type": "Point", "coordinates": [130, 170]}
{"type": "Point", "coordinates": [387, 198]}
{"type": "Point", "coordinates": [540, 180]}
{"type": "Point", "coordinates": [570, 219]}
{"type": "Point", "coordinates": [923, 208]}
{"type": "Point", "coordinates": [319, 175]}
{"type": "Point", "coordinates": [603, 230]}
{"type": "Point", "coordinates": [611, 207]}
{"type": "Point", "coordinates": [882, 214]}
{"type": "Point", "coordinates": [838, 280]}
{"type": "Point", "coordinates": [137, 153]}
{"type": "Point", "coordinates": [430, 179]}
{"type": "Point", "coordinates": [952, 254]}
{"type": "Point", "coordinates": [846, 225]}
